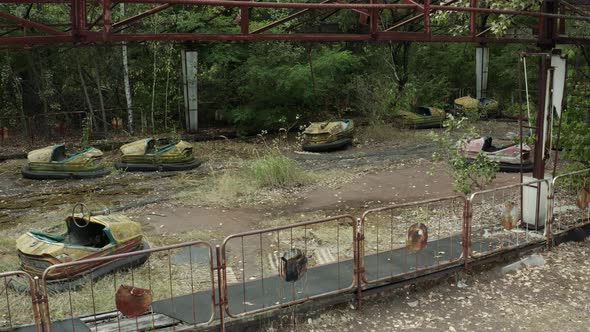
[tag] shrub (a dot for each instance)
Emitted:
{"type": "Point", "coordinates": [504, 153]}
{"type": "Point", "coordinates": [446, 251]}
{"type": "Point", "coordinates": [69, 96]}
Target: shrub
{"type": "Point", "coordinates": [275, 170]}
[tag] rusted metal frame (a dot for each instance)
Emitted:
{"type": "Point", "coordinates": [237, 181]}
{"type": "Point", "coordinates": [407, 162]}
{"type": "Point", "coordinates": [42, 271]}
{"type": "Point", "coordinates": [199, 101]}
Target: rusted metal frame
{"type": "Point", "coordinates": [472, 17]}
{"type": "Point", "coordinates": [535, 184]}
{"type": "Point", "coordinates": [419, 7]}
{"type": "Point", "coordinates": [417, 17]}
{"type": "Point", "coordinates": [467, 243]}
{"type": "Point", "coordinates": [252, 4]}
{"type": "Point", "coordinates": [244, 19]}
{"type": "Point", "coordinates": [380, 36]}
{"type": "Point", "coordinates": [374, 19]}
{"type": "Point", "coordinates": [353, 285]}
{"type": "Point", "coordinates": [284, 19]}
{"type": "Point", "coordinates": [359, 263]}
{"type": "Point", "coordinates": [36, 297]}
{"type": "Point", "coordinates": [506, 12]}
{"type": "Point", "coordinates": [427, 17]}
{"type": "Point", "coordinates": [222, 298]}
{"type": "Point", "coordinates": [106, 17]}
{"type": "Point", "coordinates": [406, 205]}
{"type": "Point", "coordinates": [78, 17]}
{"type": "Point", "coordinates": [135, 18]}
{"type": "Point", "coordinates": [551, 194]}
{"type": "Point", "coordinates": [30, 24]}
{"type": "Point", "coordinates": [360, 11]}
{"type": "Point", "coordinates": [112, 258]}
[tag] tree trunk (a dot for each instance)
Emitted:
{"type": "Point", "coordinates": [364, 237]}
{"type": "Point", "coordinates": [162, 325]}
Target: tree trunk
{"type": "Point", "coordinates": [86, 96]}
{"type": "Point", "coordinates": [166, 99]}
{"type": "Point", "coordinates": [154, 72]}
{"type": "Point", "coordinates": [20, 97]}
{"type": "Point", "coordinates": [100, 98]}
{"type": "Point", "coordinates": [126, 79]}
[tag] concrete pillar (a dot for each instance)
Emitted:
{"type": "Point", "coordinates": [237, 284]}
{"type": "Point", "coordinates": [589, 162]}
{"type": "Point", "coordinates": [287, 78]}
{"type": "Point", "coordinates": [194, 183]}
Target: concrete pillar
{"type": "Point", "coordinates": [189, 78]}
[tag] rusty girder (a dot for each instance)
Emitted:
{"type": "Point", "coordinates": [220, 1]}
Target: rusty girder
{"type": "Point", "coordinates": [22, 31]}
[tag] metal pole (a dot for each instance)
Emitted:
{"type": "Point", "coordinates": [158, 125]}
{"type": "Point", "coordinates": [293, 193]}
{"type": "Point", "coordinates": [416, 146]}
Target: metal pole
{"type": "Point", "coordinates": [221, 283]}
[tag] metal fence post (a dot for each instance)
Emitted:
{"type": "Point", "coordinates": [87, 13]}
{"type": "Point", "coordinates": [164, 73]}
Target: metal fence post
{"type": "Point", "coordinates": [467, 216]}
{"type": "Point", "coordinates": [549, 215]}
{"type": "Point", "coordinates": [40, 307]}
{"type": "Point", "coordinates": [358, 264]}
{"type": "Point", "coordinates": [220, 287]}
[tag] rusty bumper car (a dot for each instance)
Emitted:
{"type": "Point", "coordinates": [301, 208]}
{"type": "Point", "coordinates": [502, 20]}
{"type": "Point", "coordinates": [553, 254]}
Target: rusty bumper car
{"type": "Point", "coordinates": [150, 155]}
{"type": "Point", "coordinates": [486, 107]}
{"type": "Point", "coordinates": [86, 237]}
{"type": "Point", "coordinates": [53, 162]}
{"type": "Point", "coordinates": [328, 136]}
{"type": "Point", "coordinates": [422, 117]}
{"type": "Point", "coordinates": [510, 158]}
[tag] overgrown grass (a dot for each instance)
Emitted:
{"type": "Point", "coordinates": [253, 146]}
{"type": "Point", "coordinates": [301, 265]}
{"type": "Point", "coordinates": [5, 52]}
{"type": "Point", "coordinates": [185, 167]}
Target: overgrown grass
{"type": "Point", "coordinates": [275, 170]}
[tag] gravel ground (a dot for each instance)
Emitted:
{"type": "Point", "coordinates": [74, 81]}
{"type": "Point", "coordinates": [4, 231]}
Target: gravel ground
{"type": "Point", "coordinates": [549, 297]}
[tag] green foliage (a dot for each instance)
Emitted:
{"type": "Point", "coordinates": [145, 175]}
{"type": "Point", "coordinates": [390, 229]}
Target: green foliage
{"type": "Point", "coordinates": [468, 175]}
{"type": "Point", "coordinates": [575, 132]}
{"type": "Point", "coordinates": [574, 183]}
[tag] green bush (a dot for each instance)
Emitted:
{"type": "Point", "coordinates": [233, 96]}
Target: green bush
{"type": "Point", "coordinates": [275, 170]}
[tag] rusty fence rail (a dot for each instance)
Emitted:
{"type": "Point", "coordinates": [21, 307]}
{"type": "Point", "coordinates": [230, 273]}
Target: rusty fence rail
{"type": "Point", "coordinates": [405, 239]}
{"type": "Point", "coordinates": [569, 197]}
{"type": "Point", "coordinates": [498, 219]}
{"type": "Point", "coordinates": [18, 308]}
{"type": "Point", "coordinates": [193, 285]}
{"type": "Point", "coordinates": [258, 275]}
{"type": "Point", "coordinates": [173, 280]}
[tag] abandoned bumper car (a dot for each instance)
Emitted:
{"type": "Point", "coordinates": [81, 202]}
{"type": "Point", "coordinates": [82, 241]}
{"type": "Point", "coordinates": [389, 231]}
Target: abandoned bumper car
{"type": "Point", "coordinates": [149, 155]}
{"type": "Point", "coordinates": [328, 136]}
{"type": "Point", "coordinates": [52, 162]}
{"type": "Point", "coordinates": [486, 107]}
{"type": "Point", "coordinates": [422, 117]}
{"type": "Point", "coordinates": [85, 238]}
{"type": "Point", "coordinates": [508, 157]}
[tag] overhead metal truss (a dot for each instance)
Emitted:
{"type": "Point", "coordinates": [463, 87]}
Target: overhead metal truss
{"type": "Point", "coordinates": [548, 24]}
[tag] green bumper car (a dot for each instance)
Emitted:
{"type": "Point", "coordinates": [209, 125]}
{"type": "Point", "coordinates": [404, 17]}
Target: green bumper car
{"type": "Point", "coordinates": [52, 162]}
{"type": "Point", "coordinates": [328, 136]}
{"type": "Point", "coordinates": [421, 118]}
{"type": "Point", "coordinates": [150, 155]}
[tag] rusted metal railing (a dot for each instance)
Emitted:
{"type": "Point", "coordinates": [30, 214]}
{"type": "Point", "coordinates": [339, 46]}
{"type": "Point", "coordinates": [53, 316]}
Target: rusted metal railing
{"type": "Point", "coordinates": [252, 281]}
{"type": "Point", "coordinates": [194, 285]}
{"type": "Point", "coordinates": [405, 239]}
{"type": "Point", "coordinates": [569, 201]}
{"type": "Point", "coordinates": [14, 305]}
{"type": "Point", "coordinates": [498, 220]}
{"type": "Point", "coordinates": [179, 277]}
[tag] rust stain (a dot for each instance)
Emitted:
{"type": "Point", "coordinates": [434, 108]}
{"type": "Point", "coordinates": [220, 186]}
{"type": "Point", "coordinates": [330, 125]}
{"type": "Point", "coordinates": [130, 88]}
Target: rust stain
{"type": "Point", "coordinates": [417, 237]}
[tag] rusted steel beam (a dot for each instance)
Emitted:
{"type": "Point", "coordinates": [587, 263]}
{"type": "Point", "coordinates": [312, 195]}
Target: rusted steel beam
{"type": "Point", "coordinates": [302, 5]}
{"type": "Point", "coordinates": [472, 28]}
{"type": "Point", "coordinates": [374, 20]}
{"type": "Point", "coordinates": [244, 19]}
{"type": "Point", "coordinates": [90, 37]}
{"type": "Point", "coordinates": [30, 24]}
{"type": "Point", "coordinates": [106, 16]}
{"type": "Point", "coordinates": [140, 16]}
{"type": "Point", "coordinates": [417, 17]}
{"type": "Point", "coordinates": [360, 11]}
{"type": "Point", "coordinates": [509, 12]}
{"type": "Point", "coordinates": [419, 7]}
{"type": "Point", "coordinates": [427, 17]}
{"type": "Point", "coordinates": [284, 19]}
